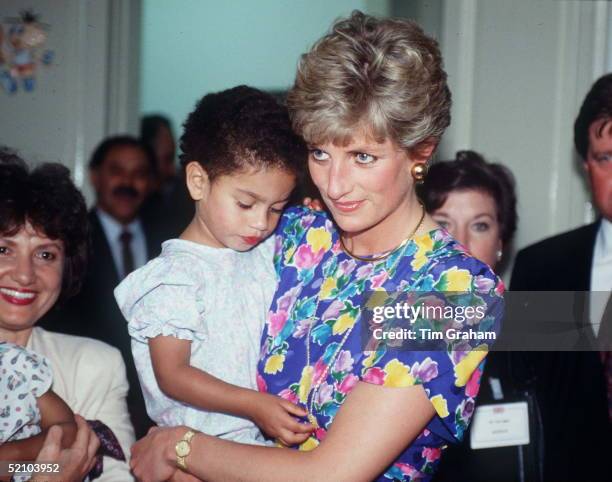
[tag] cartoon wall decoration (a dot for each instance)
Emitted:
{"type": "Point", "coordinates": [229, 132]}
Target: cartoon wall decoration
{"type": "Point", "coordinates": [22, 41]}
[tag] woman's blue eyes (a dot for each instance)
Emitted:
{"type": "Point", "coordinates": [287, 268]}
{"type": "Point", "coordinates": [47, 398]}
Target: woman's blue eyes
{"type": "Point", "coordinates": [363, 158]}
{"type": "Point", "coordinates": [319, 155]}
{"type": "Point", "coordinates": [360, 157]}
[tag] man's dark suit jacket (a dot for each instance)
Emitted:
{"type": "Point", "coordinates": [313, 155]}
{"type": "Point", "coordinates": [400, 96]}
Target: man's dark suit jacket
{"type": "Point", "coordinates": [570, 386]}
{"type": "Point", "coordinates": [95, 314]}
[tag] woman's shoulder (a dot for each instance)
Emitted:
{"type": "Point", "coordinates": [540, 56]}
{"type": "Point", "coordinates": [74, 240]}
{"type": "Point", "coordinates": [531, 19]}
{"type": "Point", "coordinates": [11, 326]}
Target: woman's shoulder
{"type": "Point", "coordinates": [443, 264]}
{"type": "Point", "coordinates": [298, 219]}
{"type": "Point", "coordinates": [61, 345]}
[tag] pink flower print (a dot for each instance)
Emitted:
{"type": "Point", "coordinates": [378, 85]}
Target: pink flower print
{"type": "Point", "coordinates": [336, 248]}
{"type": "Point", "coordinates": [347, 266]}
{"type": "Point", "coordinates": [431, 454]}
{"type": "Point", "coordinates": [319, 370]}
{"type": "Point", "coordinates": [500, 288]}
{"type": "Point", "coordinates": [276, 322]}
{"type": "Point", "coordinates": [344, 362]}
{"type": "Point", "coordinates": [304, 257]}
{"type": "Point", "coordinates": [409, 470]}
{"type": "Point", "coordinates": [333, 310]}
{"type": "Point", "coordinates": [288, 394]}
{"type": "Point", "coordinates": [374, 375]}
{"type": "Point", "coordinates": [348, 383]}
{"type": "Point", "coordinates": [324, 394]}
{"type": "Point", "coordinates": [307, 220]}
{"type": "Point", "coordinates": [483, 284]}
{"type": "Point", "coordinates": [378, 280]}
{"type": "Point", "coordinates": [302, 328]}
{"type": "Point", "coordinates": [473, 384]}
{"type": "Point", "coordinates": [426, 371]}
{"type": "Point", "coordinates": [286, 302]}
{"type": "Point", "coordinates": [320, 434]}
{"type": "Point", "coordinates": [261, 384]}
{"type": "Point", "coordinates": [364, 271]}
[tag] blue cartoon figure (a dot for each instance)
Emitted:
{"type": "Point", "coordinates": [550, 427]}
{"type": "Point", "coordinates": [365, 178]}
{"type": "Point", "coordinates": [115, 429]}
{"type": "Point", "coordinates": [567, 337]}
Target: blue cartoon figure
{"type": "Point", "coordinates": [20, 52]}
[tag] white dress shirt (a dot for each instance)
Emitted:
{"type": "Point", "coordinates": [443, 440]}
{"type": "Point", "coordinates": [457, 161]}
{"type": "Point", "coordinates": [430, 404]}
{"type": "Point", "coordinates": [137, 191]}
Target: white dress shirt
{"type": "Point", "coordinates": [601, 273]}
{"type": "Point", "coordinates": [113, 229]}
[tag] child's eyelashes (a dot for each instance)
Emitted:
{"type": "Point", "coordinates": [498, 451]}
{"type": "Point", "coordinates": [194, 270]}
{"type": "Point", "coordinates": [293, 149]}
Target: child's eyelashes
{"type": "Point", "coordinates": [244, 206]}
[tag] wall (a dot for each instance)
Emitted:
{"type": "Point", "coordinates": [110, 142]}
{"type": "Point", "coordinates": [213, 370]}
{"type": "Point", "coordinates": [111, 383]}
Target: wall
{"type": "Point", "coordinates": [193, 47]}
{"type": "Point", "coordinates": [518, 72]}
{"type": "Point", "coordinates": [83, 95]}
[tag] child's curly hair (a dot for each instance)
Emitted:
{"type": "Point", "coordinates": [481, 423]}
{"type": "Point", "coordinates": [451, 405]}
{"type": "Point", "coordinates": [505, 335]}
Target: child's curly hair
{"type": "Point", "coordinates": [239, 128]}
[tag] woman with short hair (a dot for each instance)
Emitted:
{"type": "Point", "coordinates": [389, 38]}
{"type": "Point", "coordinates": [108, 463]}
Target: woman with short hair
{"type": "Point", "coordinates": [371, 100]}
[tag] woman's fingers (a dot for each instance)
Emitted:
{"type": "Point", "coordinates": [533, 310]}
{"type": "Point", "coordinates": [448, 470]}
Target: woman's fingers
{"type": "Point", "coordinates": [52, 445]}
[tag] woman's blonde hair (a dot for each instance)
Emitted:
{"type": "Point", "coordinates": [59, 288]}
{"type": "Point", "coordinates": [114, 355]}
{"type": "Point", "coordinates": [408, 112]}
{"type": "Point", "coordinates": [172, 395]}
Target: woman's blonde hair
{"type": "Point", "coordinates": [384, 75]}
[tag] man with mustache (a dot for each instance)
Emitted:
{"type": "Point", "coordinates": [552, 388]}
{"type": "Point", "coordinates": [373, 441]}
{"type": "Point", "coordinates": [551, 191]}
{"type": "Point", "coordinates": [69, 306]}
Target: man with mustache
{"type": "Point", "coordinates": [122, 172]}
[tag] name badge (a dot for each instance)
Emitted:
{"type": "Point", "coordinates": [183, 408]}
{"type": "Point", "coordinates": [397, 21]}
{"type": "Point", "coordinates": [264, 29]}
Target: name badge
{"type": "Point", "coordinates": [500, 425]}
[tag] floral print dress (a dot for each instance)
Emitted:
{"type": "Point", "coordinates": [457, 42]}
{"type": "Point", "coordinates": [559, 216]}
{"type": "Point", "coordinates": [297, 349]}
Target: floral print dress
{"type": "Point", "coordinates": [321, 292]}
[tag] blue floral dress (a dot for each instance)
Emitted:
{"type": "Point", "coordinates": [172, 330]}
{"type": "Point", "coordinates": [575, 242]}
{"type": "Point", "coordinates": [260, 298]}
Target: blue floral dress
{"type": "Point", "coordinates": [320, 293]}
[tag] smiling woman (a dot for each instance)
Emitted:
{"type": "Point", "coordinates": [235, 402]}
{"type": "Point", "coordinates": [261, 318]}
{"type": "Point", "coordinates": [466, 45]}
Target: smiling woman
{"type": "Point", "coordinates": [43, 251]}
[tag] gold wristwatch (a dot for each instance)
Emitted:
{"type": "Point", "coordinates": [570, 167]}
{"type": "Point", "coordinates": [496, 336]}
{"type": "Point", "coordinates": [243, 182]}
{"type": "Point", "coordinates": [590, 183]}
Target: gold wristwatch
{"type": "Point", "coordinates": [183, 449]}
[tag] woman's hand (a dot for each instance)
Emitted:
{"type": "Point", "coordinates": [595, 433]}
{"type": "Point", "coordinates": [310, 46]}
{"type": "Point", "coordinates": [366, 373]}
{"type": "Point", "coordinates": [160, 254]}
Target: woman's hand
{"type": "Point", "coordinates": [313, 203]}
{"type": "Point", "coordinates": [75, 461]}
{"type": "Point", "coordinates": [153, 456]}
{"type": "Point", "coordinates": [275, 416]}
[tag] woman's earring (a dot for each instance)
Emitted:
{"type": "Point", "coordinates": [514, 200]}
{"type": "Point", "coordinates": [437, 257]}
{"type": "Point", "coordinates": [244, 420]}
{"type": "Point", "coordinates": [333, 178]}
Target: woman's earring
{"type": "Point", "coordinates": [500, 253]}
{"type": "Point", "coordinates": [419, 171]}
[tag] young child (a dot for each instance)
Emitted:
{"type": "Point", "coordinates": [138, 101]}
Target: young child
{"type": "Point", "coordinates": [197, 311]}
{"type": "Point", "coordinates": [28, 406]}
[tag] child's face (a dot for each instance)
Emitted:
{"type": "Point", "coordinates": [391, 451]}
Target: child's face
{"type": "Point", "coordinates": [240, 210]}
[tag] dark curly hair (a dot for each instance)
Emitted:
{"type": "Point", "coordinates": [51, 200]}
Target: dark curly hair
{"type": "Point", "coordinates": [470, 171]}
{"type": "Point", "coordinates": [241, 127]}
{"type": "Point", "coordinates": [46, 198]}
{"type": "Point", "coordinates": [597, 105]}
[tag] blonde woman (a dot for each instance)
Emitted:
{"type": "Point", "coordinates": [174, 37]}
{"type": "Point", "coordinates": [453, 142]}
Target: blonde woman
{"type": "Point", "coordinates": [371, 100]}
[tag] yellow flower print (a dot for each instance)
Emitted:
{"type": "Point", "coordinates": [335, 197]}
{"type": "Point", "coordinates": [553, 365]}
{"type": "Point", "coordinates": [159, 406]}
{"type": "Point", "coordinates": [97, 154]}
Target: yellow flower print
{"type": "Point", "coordinates": [397, 374]}
{"type": "Point", "coordinates": [367, 361]}
{"type": "Point", "coordinates": [465, 368]}
{"type": "Point", "coordinates": [289, 254]}
{"type": "Point", "coordinates": [274, 364]}
{"type": "Point", "coordinates": [377, 298]}
{"type": "Point", "coordinates": [310, 444]}
{"type": "Point", "coordinates": [319, 238]}
{"type": "Point", "coordinates": [458, 279]}
{"type": "Point", "coordinates": [326, 288]}
{"type": "Point", "coordinates": [343, 323]}
{"type": "Point", "coordinates": [305, 383]}
{"type": "Point", "coordinates": [440, 405]}
{"type": "Point", "coordinates": [424, 245]}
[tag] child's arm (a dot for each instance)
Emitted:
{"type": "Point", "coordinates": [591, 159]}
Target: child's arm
{"type": "Point", "coordinates": [53, 411]}
{"type": "Point", "coordinates": [180, 381]}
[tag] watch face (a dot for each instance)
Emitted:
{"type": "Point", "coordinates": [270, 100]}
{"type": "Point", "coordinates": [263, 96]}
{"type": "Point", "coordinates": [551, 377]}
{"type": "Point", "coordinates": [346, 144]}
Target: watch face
{"type": "Point", "coordinates": [182, 448]}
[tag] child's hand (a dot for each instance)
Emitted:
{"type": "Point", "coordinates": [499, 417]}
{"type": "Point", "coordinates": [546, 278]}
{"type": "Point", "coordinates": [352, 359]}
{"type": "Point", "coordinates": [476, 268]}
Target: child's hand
{"type": "Point", "coordinates": [276, 417]}
{"type": "Point", "coordinates": [314, 204]}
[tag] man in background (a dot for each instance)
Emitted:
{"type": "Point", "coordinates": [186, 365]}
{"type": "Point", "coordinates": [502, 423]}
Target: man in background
{"type": "Point", "coordinates": [571, 387]}
{"type": "Point", "coordinates": [122, 172]}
